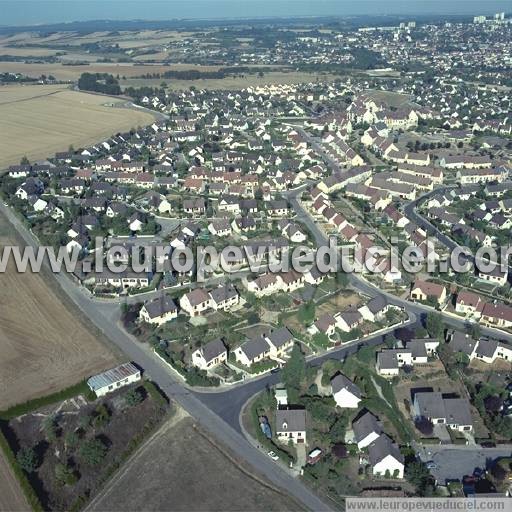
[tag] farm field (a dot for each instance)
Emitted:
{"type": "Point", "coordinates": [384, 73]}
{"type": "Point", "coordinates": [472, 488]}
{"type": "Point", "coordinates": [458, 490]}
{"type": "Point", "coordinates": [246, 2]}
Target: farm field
{"type": "Point", "coordinates": [209, 479]}
{"type": "Point", "coordinates": [11, 495]}
{"type": "Point", "coordinates": [37, 121]}
{"type": "Point", "coordinates": [233, 83]}
{"type": "Point", "coordinates": [72, 73]}
{"type": "Point", "coordinates": [44, 346]}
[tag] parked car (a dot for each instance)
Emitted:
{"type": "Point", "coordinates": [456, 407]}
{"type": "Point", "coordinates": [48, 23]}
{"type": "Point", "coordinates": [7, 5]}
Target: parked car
{"type": "Point", "coordinates": [431, 464]}
{"type": "Point", "coordinates": [273, 455]}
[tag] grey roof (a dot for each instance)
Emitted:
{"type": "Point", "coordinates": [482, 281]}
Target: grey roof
{"type": "Point", "coordinates": [377, 304]}
{"type": "Point", "coordinates": [213, 349]}
{"type": "Point", "coordinates": [160, 306]}
{"type": "Point", "coordinates": [351, 317]}
{"type": "Point", "coordinates": [457, 411]}
{"type": "Point", "coordinates": [462, 342]}
{"type": "Point", "coordinates": [486, 347]}
{"type": "Point", "coordinates": [255, 347]}
{"type": "Point", "coordinates": [291, 420]}
{"type": "Point", "coordinates": [434, 405]}
{"type": "Point", "coordinates": [341, 382]}
{"type": "Point", "coordinates": [417, 347]}
{"type": "Point", "coordinates": [221, 224]}
{"type": "Point", "coordinates": [365, 425]}
{"type": "Point", "coordinates": [387, 360]}
{"type": "Point", "coordinates": [223, 293]}
{"type": "Point", "coordinates": [430, 404]}
{"type": "Point", "coordinates": [381, 448]}
{"type": "Point", "coordinates": [280, 337]}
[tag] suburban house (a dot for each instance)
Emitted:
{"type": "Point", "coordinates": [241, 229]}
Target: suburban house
{"type": "Point", "coordinates": [452, 412]}
{"type": "Point", "coordinates": [252, 351]}
{"type": "Point", "coordinates": [196, 302]}
{"type": "Point", "coordinates": [209, 355]}
{"type": "Point", "coordinates": [497, 315]}
{"type": "Point", "coordinates": [424, 290]}
{"type": "Point", "coordinates": [495, 276]}
{"type": "Point", "coordinates": [345, 393]}
{"type": "Point", "coordinates": [485, 349]}
{"type": "Point", "coordinates": [279, 340]}
{"type": "Point", "coordinates": [291, 425]}
{"type": "Point", "coordinates": [469, 304]}
{"type": "Point", "coordinates": [376, 309]}
{"type": "Point", "coordinates": [220, 227]}
{"type": "Point", "coordinates": [416, 351]}
{"type": "Point", "coordinates": [158, 311]}
{"type": "Point", "coordinates": [366, 430]}
{"type": "Point", "coordinates": [113, 379]}
{"type": "Point", "coordinates": [385, 458]}
{"type": "Point", "coordinates": [224, 297]}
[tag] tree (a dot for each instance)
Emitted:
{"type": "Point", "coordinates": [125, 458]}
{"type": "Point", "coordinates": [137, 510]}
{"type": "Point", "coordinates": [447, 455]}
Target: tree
{"type": "Point", "coordinates": [418, 475]}
{"type": "Point", "coordinates": [338, 430]}
{"type": "Point", "coordinates": [71, 440]}
{"type": "Point", "coordinates": [435, 326]}
{"type": "Point", "coordinates": [294, 371]}
{"type": "Point", "coordinates": [24, 161]}
{"type": "Point", "coordinates": [101, 416]}
{"type": "Point", "coordinates": [493, 403]}
{"type": "Point", "coordinates": [65, 475]}
{"type": "Point", "coordinates": [27, 460]}
{"type": "Point", "coordinates": [475, 331]}
{"type": "Point", "coordinates": [93, 451]}
{"type": "Point", "coordinates": [133, 398]}
{"type": "Point", "coordinates": [390, 340]}
{"type": "Point", "coordinates": [424, 425]}
{"type": "Point", "coordinates": [341, 279]}
{"type": "Point", "coordinates": [50, 428]}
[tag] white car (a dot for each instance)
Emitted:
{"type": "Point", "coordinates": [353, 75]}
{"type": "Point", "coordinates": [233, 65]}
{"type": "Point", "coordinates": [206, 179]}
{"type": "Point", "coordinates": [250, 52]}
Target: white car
{"type": "Point", "coordinates": [273, 455]}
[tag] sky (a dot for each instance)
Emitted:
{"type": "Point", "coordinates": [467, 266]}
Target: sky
{"type": "Point", "coordinates": [29, 12]}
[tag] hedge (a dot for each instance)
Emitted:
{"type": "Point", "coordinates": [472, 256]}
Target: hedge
{"type": "Point", "coordinates": [24, 408]}
{"type": "Point", "coordinates": [27, 489]}
{"type": "Point", "coordinates": [155, 393]}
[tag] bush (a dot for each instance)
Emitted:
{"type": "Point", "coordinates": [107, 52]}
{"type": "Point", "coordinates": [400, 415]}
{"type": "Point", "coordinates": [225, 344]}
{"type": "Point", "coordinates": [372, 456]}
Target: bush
{"type": "Point", "coordinates": [93, 451]}
{"type": "Point", "coordinates": [27, 460]}
{"type": "Point", "coordinates": [65, 475]}
{"type": "Point", "coordinates": [133, 397]}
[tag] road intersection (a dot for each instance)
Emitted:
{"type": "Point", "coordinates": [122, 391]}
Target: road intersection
{"type": "Point", "coordinates": [219, 411]}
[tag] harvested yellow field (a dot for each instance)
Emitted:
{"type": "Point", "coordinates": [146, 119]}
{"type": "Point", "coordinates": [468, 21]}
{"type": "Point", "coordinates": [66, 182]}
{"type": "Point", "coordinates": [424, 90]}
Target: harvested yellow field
{"type": "Point", "coordinates": [72, 73]}
{"type": "Point", "coordinates": [38, 121]}
{"type": "Point", "coordinates": [45, 344]}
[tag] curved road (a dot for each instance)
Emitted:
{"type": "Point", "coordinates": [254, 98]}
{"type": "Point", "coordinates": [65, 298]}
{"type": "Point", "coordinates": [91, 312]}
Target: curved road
{"type": "Point", "coordinates": [219, 411]}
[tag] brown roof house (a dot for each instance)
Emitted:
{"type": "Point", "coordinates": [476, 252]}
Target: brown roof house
{"type": "Point", "coordinates": [423, 291]}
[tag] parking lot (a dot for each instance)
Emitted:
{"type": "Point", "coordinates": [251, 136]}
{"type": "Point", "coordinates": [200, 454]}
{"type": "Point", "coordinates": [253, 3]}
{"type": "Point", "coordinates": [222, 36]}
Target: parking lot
{"type": "Point", "coordinates": [455, 463]}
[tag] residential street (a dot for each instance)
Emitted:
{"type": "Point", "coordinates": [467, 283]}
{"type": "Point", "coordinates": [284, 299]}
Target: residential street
{"type": "Point", "coordinates": [219, 411]}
